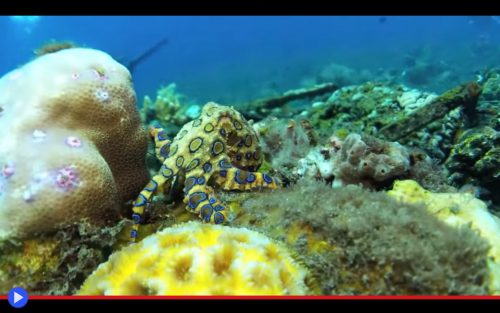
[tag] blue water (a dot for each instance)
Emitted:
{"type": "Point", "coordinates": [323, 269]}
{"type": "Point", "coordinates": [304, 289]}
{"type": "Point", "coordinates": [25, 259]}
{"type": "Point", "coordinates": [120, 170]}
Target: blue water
{"type": "Point", "coordinates": [232, 59]}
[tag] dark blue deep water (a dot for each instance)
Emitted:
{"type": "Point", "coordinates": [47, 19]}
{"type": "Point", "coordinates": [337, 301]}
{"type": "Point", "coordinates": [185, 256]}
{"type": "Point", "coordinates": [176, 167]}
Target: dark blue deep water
{"type": "Point", "coordinates": [232, 59]}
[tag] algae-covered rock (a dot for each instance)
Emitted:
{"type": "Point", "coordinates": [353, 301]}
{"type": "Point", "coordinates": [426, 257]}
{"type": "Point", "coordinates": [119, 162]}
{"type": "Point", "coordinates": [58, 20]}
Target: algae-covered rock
{"type": "Point", "coordinates": [459, 210]}
{"type": "Point", "coordinates": [475, 158]}
{"type": "Point", "coordinates": [465, 95]}
{"type": "Point", "coordinates": [56, 264]}
{"type": "Point", "coordinates": [491, 87]}
{"type": "Point", "coordinates": [359, 242]}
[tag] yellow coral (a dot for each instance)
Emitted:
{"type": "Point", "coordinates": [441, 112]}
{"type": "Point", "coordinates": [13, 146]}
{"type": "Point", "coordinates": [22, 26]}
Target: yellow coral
{"type": "Point", "coordinates": [458, 209]}
{"type": "Point", "coordinates": [199, 259]}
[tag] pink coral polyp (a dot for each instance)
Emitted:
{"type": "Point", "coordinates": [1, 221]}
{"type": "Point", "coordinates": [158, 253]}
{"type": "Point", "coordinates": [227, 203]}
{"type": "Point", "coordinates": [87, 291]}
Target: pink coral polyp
{"type": "Point", "coordinates": [67, 178]}
{"type": "Point", "coordinates": [8, 170]}
{"type": "Point", "coordinates": [73, 142]}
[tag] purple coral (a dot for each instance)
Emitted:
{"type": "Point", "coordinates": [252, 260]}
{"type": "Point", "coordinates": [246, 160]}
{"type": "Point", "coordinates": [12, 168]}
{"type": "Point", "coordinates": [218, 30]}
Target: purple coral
{"type": "Point", "coordinates": [369, 161]}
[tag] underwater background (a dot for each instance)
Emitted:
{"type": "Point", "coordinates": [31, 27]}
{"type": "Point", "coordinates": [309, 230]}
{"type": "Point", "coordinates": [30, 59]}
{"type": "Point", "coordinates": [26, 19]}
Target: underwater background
{"type": "Point", "coordinates": [253, 56]}
{"type": "Point", "coordinates": [250, 155]}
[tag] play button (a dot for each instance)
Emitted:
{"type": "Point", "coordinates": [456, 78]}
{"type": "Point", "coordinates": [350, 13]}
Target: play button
{"type": "Point", "coordinates": [18, 297]}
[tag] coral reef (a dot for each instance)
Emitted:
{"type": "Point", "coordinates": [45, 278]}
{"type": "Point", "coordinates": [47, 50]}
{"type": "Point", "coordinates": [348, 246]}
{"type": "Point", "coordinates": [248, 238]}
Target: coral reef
{"type": "Point", "coordinates": [284, 143]}
{"type": "Point", "coordinates": [359, 242]}
{"type": "Point", "coordinates": [362, 108]}
{"type": "Point", "coordinates": [56, 264]}
{"type": "Point", "coordinates": [414, 99]}
{"type": "Point", "coordinates": [489, 101]}
{"type": "Point", "coordinates": [459, 210]}
{"type": "Point", "coordinates": [169, 110]}
{"type": "Point", "coordinates": [369, 161]}
{"type": "Point", "coordinates": [361, 159]}
{"type": "Point", "coordinates": [200, 259]}
{"type": "Point", "coordinates": [72, 145]}
{"type": "Point", "coordinates": [263, 108]}
{"type": "Point", "coordinates": [219, 149]}
{"type": "Point", "coordinates": [491, 86]}
{"type": "Point", "coordinates": [475, 160]}
{"type": "Point", "coordinates": [395, 112]}
{"type": "Point", "coordinates": [465, 95]}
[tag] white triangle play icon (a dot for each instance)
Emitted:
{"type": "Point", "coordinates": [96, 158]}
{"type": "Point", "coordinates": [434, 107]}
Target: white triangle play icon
{"type": "Point", "coordinates": [17, 297]}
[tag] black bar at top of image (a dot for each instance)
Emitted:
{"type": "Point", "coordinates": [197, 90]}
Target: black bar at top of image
{"type": "Point", "coordinates": [250, 7]}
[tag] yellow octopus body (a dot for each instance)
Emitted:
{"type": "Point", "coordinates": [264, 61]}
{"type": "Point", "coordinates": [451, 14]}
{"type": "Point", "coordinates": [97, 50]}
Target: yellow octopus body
{"type": "Point", "coordinates": [219, 149]}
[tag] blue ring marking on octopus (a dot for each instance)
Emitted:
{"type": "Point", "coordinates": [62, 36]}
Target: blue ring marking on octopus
{"type": "Point", "coordinates": [193, 164]}
{"type": "Point", "coordinates": [222, 132]}
{"type": "Point", "coordinates": [238, 157]}
{"type": "Point", "coordinates": [219, 208]}
{"type": "Point", "coordinates": [248, 141]}
{"type": "Point", "coordinates": [237, 178]}
{"type": "Point", "coordinates": [250, 178]}
{"type": "Point", "coordinates": [166, 172]}
{"type": "Point", "coordinates": [189, 183]}
{"type": "Point", "coordinates": [207, 167]}
{"type": "Point", "coordinates": [224, 164]}
{"type": "Point", "coordinates": [218, 218]}
{"type": "Point", "coordinates": [192, 204]}
{"type": "Point", "coordinates": [133, 234]}
{"type": "Point", "coordinates": [206, 212]}
{"type": "Point", "coordinates": [137, 218]}
{"type": "Point", "coordinates": [267, 178]}
{"type": "Point", "coordinates": [220, 143]}
{"type": "Point", "coordinates": [212, 200]}
{"type": "Point", "coordinates": [164, 150]}
{"type": "Point", "coordinates": [153, 187]}
{"type": "Point", "coordinates": [200, 180]}
{"type": "Point", "coordinates": [248, 155]}
{"type": "Point", "coordinates": [223, 173]}
{"type": "Point", "coordinates": [162, 135]}
{"type": "Point", "coordinates": [142, 201]}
